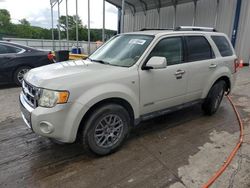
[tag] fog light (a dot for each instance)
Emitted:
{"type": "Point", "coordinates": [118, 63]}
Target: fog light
{"type": "Point", "coordinates": [46, 127]}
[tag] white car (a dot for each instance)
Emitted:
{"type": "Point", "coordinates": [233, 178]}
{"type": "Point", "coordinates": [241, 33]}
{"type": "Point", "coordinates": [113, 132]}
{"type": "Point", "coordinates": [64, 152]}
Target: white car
{"type": "Point", "coordinates": [132, 77]}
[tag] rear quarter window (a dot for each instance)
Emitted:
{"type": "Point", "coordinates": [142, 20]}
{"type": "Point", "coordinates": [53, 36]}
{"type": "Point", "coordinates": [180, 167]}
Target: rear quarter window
{"type": "Point", "coordinates": [223, 45]}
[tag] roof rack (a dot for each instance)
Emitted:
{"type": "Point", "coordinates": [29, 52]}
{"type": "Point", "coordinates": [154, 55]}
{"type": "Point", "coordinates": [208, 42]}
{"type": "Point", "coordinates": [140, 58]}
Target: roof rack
{"type": "Point", "coordinates": [148, 29]}
{"type": "Point", "coordinates": [191, 28]}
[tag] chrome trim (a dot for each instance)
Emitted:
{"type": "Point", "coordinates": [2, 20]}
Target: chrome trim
{"type": "Point", "coordinates": [13, 46]}
{"type": "Point", "coordinates": [24, 103]}
{"type": "Point", "coordinates": [31, 94]}
{"type": "Point", "coordinates": [212, 66]}
{"type": "Point", "coordinates": [26, 90]}
{"type": "Point", "coordinates": [25, 121]}
{"type": "Point", "coordinates": [178, 72]}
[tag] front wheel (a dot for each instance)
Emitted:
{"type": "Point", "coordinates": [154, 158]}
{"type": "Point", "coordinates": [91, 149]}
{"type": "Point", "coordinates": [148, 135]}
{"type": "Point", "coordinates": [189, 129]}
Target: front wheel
{"type": "Point", "coordinates": [19, 74]}
{"type": "Point", "coordinates": [106, 129]}
{"type": "Point", "coordinates": [214, 98]}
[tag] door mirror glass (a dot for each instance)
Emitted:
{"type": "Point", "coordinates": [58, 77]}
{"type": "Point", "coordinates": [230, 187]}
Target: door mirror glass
{"type": "Point", "coordinates": [156, 62]}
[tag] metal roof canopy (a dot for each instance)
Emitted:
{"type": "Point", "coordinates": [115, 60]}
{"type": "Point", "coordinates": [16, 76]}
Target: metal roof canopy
{"type": "Point", "coordinates": [144, 5]}
{"type": "Point", "coordinates": [58, 2]}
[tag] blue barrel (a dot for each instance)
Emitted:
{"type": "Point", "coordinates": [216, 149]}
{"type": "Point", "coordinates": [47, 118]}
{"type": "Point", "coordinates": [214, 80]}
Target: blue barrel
{"type": "Point", "coordinates": [75, 51]}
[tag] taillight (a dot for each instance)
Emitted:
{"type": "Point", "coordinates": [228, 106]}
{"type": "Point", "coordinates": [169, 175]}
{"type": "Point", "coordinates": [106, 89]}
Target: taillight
{"type": "Point", "coordinates": [51, 57]}
{"type": "Point", "coordinates": [236, 65]}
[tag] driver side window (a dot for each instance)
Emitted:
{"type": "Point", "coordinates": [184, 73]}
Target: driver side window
{"type": "Point", "coordinates": [171, 48]}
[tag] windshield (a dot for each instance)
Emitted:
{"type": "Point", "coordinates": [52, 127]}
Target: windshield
{"type": "Point", "coordinates": [122, 50]}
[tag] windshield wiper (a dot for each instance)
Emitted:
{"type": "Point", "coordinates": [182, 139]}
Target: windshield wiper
{"type": "Point", "coordinates": [99, 61]}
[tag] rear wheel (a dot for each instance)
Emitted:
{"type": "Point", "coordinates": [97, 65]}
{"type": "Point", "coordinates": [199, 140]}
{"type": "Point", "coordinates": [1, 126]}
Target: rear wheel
{"type": "Point", "coordinates": [19, 74]}
{"type": "Point", "coordinates": [214, 98]}
{"type": "Point", "coordinates": [106, 129]}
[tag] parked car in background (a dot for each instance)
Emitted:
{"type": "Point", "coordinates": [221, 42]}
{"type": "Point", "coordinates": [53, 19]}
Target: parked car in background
{"type": "Point", "coordinates": [16, 60]}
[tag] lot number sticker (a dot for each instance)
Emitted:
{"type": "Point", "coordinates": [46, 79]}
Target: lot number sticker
{"type": "Point", "coordinates": [137, 41]}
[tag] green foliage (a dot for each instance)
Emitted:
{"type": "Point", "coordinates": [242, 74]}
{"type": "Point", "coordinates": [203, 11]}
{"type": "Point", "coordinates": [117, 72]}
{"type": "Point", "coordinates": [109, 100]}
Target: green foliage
{"type": "Point", "coordinates": [24, 22]}
{"type": "Point", "coordinates": [25, 30]}
{"type": "Point", "coordinates": [4, 18]}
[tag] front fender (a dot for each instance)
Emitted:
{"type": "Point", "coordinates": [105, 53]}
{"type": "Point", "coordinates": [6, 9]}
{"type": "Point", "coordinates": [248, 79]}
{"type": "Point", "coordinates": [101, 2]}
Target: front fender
{"type": "Point", "coordinates": [110, 90]}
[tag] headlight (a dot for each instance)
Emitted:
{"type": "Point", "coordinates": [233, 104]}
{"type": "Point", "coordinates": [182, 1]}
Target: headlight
{"type": "Point", "coordinates": [49, 98]}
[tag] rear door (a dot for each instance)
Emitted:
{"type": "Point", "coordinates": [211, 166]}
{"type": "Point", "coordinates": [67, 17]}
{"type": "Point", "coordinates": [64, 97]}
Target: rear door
{"type": "Point", "coordinates": [227, 54]}
{"type": "Point", "coordinates": [201, 65]}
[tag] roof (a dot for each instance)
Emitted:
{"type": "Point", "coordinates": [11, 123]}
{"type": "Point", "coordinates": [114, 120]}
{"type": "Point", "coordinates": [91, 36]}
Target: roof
{"type": "Point", "coordinates": [17, 45]}
{"type": "Point", "coordinates": [159, 33]}
{"type": "Point", "coordinates": [151, 32]}
{"type": "Point", "coordinates": [144, 5]}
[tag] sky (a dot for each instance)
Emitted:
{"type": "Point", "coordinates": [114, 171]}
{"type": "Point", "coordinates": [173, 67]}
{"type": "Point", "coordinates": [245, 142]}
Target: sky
{"type": "Point", "coordinates": [37, 12]}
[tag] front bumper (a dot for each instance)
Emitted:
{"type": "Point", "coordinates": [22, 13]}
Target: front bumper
{"type": "Point", "coordinates": [60, 122]}
{"type": "Point", "coordinates": [26, 110]}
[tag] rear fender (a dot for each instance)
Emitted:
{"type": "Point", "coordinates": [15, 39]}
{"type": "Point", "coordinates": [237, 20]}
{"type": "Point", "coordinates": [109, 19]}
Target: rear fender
{"type": "Point", "coordinates": [222, 71]}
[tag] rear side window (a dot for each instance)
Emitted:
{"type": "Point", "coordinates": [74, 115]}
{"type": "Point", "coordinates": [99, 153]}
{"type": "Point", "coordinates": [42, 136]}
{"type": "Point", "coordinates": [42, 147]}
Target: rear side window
{"type": "Point", "coordinates": [223, 45]}
{"type": "Point", "coordinates": [198, 48]}
{"type": "Point", "coordinates": [170, 48]}
{"type": "Point", "coordinates": [5, 49]}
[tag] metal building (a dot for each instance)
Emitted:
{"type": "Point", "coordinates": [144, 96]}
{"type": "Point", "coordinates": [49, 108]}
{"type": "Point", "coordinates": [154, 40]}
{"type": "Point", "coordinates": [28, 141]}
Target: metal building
{"type": "Point", "coordinates": [229, 16]}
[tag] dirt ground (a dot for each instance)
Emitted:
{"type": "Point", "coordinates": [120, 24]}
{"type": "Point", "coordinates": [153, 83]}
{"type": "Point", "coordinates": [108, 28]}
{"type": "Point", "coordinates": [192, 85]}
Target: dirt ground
{"type": "Point", "coordinates": [182, 149]}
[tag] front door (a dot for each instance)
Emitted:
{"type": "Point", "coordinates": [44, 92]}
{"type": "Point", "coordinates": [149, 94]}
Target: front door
{"type": "Point", "coordinates": [164, 88]}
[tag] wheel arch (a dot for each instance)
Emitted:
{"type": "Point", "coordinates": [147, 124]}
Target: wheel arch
{"type": "Point", "coordinates": [114, 100]}
{"type": "Point", "coordinates": [223, 77]}
{"type": "Point", "coordinates": [17, 67]}
{"type": "Point", "coordinates": [227, 81]}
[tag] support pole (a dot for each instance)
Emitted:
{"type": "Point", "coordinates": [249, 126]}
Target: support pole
{"type": "Point", "coordinates": [103, 22]}
{"type": "Point", "coordinates": [52, 27]}
{"type": "Point", "coordinates": [67, 25]}
{"type": "Point", "coordinates": [216, 14]}
{"type": "Point", "coordinates": [174, 19]}
{"type": "Point", "coordinates": [122, 20]}
{"type": "Point", "coordinates": [134, 22]}
{"type": "Point", "coordinates": [88, 27]}
{"type": "Point", "coordinates": [158, 4]}
{"type": "Point", "coordinates": [236, 22]}
{"type": "Point", "coordinates": [119, 21]}
{"type": "Point", "coordinates": [77, 37]}
{"type": "Point", "coordinates": [195, 10]}
{"type": "Point", "coordinates": [59, 30]}
{"type": "Point", "coordinates": [159, 18]}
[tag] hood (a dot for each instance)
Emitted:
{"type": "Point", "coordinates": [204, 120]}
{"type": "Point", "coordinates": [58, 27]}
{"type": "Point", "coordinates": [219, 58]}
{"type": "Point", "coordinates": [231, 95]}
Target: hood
{"type": "Point", "coordinates": [64, 74]}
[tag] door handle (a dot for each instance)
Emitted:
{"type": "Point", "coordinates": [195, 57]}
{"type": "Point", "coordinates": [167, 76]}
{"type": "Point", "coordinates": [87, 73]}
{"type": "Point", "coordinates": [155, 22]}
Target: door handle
{"type": "Point", "coordinates": [212, 66]}
{"type": "Point", "coordinates": [179, 72]}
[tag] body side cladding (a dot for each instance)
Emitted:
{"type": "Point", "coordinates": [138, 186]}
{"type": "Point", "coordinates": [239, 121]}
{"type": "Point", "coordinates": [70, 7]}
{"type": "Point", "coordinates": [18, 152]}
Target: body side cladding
{"type": "Point", "coordinates": [166, 111]}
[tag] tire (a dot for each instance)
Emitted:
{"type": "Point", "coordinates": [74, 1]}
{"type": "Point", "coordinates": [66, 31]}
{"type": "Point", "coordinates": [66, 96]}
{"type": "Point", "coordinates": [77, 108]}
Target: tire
{"type": "Point", "coordinates": [214, 98]}
{"type": "Point", "coordinates": [19, 73]}
{"type": "Point", "coordinates": [106, 129]}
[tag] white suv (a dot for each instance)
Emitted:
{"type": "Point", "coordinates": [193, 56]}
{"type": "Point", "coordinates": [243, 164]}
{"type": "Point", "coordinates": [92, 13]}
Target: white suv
{"type": "Point", "coordinates": [132, 77]}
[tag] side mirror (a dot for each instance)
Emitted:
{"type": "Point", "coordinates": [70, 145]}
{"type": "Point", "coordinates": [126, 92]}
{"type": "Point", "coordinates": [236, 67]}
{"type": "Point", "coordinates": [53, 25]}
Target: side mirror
{"type": "Point", "coordinates": [156, 62]}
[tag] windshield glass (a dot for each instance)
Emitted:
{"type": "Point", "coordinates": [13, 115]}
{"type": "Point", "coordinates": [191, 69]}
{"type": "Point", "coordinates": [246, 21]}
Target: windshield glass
{"type": "Point", "coordinates": [122, 50]}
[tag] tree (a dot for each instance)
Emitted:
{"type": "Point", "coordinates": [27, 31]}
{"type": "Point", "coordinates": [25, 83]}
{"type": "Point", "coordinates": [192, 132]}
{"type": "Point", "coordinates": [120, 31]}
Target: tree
{"type": "Point", "coordinates": [71, 22]}
{"type": "Point", "coordinates": [25, 30]}
{"type": "Point", "coordinates": [72, 27]}
{"type": "Point", "coordinates": [24, 22]}
{"type": "Point", "coordinates": [4, 17]}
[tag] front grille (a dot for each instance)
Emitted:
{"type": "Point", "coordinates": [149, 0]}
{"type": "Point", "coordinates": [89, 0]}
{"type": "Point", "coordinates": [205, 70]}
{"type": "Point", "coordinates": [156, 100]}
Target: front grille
{"type": "Point", "coordinates": [31, 94]}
